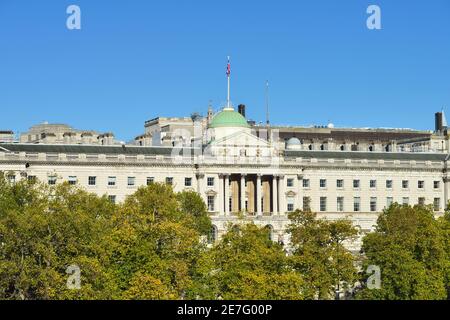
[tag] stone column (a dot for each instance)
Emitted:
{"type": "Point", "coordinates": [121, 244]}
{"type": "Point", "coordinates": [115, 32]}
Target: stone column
{"type": "Point", "coordinates": [235, 195]}
{"type": "Point", "coordinates": [282, 198]}
{"type": "Point", "coordinates": [258, 195]}
{"type": "Point", "coordinates": [221, 195]}
{"type": "Point", "coordinates": [242, 189]}
{"type": "Point", "coordinates": [227, 195]}
{"type": "Point", "coordinates": [275, 195]}
{"type": "Point", "coordinates": [200, 186]}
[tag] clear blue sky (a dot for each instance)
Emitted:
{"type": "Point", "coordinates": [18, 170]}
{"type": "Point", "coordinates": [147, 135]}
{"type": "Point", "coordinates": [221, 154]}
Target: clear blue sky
{"type": "Point", "coordinates": [135, 60]}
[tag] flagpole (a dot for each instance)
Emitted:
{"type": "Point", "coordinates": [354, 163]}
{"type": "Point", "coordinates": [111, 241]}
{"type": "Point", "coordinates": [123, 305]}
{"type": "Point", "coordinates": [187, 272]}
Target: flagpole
{"type": "Point", "coordinates": [228, 77]}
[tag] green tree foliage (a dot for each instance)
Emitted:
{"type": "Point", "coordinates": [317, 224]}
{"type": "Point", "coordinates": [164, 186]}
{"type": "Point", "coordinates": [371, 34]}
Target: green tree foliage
{"type": "Point", "coordinates": [411, 249]}
{"type": "Point", "coordinates": [246, 264]}
{"type": "Point", "coordinates": [43, 230]}
{"type": "Point", "coordinates": [156, 239]}
{"type": "Point", "coordinates": [318, 253]}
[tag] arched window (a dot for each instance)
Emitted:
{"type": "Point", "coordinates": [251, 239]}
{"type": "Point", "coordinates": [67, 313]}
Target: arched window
{"type": "Point", "coordinates": [212, 235]}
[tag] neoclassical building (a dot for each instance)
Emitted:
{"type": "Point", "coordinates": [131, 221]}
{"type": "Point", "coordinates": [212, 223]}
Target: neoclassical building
{"type": "Point", "coordinates": [246, 171]}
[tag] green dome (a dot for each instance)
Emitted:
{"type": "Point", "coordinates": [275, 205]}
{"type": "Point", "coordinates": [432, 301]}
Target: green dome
{"type": "Point", "coordinates": [228, 118]}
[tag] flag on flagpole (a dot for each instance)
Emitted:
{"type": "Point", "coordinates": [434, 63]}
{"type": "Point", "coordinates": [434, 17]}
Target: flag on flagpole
{"type": "Point", "coordinates": [228, 67]}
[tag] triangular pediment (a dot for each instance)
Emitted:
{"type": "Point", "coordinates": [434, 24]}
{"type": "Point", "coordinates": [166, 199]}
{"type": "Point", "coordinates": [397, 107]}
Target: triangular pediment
{"type": "Point", "coordinates": [241, 139]}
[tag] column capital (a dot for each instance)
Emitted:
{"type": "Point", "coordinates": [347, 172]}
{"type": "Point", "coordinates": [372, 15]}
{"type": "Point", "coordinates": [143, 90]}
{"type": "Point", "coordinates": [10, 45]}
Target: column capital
{"type": "Point", "coordinates": [199, 175]}
{"type": "Point", "coordinates": [281, 176]}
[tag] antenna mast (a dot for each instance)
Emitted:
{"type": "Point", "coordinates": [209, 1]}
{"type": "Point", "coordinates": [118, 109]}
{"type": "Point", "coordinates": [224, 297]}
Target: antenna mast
{"type": "Point", "coordinates": [267, 103]}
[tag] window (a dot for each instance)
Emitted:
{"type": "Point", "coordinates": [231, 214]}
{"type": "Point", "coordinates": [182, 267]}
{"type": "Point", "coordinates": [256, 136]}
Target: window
{"type": "Point", "coordinates": [388, 184]}
{"type": "Point", "coordinates": [405, 200]}
{"type": "Point", "coordinates": [323, 183]}
{"type": "Point", "coordinates": [437, 204]}
{"type": "Point", "coordinates": [436, 184]}
{"type": "Point", "coordinates": [131, 181]}
{"type": "Point", "coordinates": [92, 180]}
{"type": "Point", "coordinates": [306, 203]}
{"type": "Point", "coordinates": [52, 180]}
{"type": "Point", "coordinates": [323, 203]}
{"type": "Point", "coordinates": [72, 180]}
{"type": "Point", "coordinates": [339, 183]}
{"type": "Point", "coordinates": [373, 184]}
{"type": "Point", "coordinates": [212, 235]}
{"type": "Point", "coordinates": [290, 204]}
{"type": "Point", "coordinates": [420, 184]}
{"type": "Point", "coordinates": [111, 181]}
{"type": "Point", "coordinates": [373, 204]}
{"type": "Point", "coordinates": [305, 183]}
{"type": "Point", "coordinates": [112, 198]}
{"type": "Point", "coordinates": [187, 182]}
{"type": "Point", "coordinates": [356, 204]}
{"type": "Point", "coordinates": [12, 178]}
{"type": "Point", "coordinates": [340, 204]}
{"type": "Point", "coordinates": [290, 182]}
{"type": "Point", "coordinates": [356, 184]}
{"type": "Point", "coordinates": [31, 179]}
{"type": "Point", "coordinates": [389, 201]}
{"type": "Point", "coordinates": [210, 181]}
{"type": "Point", "coordinates": [169, 180]}
{"type": "Point", "coordinates": [150, 180]}
{"type": "Point", "coordinates": [421, 201]}
{"type": "Point", "coordinates": [405, 184]}
{"type": "Point", "coordinates": [211, 203]}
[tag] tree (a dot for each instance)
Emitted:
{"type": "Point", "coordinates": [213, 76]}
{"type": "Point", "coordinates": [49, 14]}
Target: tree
{"type": "Point", "coordinates": [409, 247]}
{"type": "Point", "coordinates": [319, 254]}
{"type": "Point", "coordinates": [246, 264]}
{"type": "Point", "coordinates": [45, 229]}
{"type": "Point", "coordinates": [156, 239]}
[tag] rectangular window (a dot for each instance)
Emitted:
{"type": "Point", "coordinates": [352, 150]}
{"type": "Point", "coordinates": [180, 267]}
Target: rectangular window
{"type": "Point", "coordinates": [169, 180]}
{"type": "Point", "coordinates": [389, 201]}
{"type": "Point", "coordinates": [211, 203]}
{"type": "Point", "coordinates": [373, 184]}
{"type": "Point", "coordinates": [131, 181]}
{"type": "Point", "coordinates": [31, 178]}
{"type": "Point", "coordinates": [340, 204]}
{"type": "Point", "coordinates": [373, 204]}
{"type": "Point", "coordinates": [92, 180]}
{"type": "Point", "coordinates": [436, 184]}
{"type": "Point", "coordinates": [112, 198]}
{"type": "Point", "coordinates": [150, 180]}
{"type": "Point", "coordinates": [52, 180]}
{"type": "Point", "coordinates": [421, 201]}
{"type": "Point", "coordinates": [388, 184]}
{"type": "Point", "coordinates": [339, 183]}
{"type": "Point", "coordinates": [420, 184]}
{"type": "Point", "coordinates": [356, 204]}
{"type": "Point", "coordinates": [323, 203]}
{"type": "Point", "coordinates": [405, 184]}
{"type": "Point", "coordinates": [290, 182]}
{"type": "Point", "coordinates": [72, 180]}
{"type": "Point", "coordinates": [405, 200]}
{"type": "Point", "coordinates": [437, 204]}
{"type": "Point", "coordinates": [187, 182]}
{"type": "Point", "coordinates": [290, 204]}
{"type": "Point", "coordinates": [323, 183]}
{"type": "Point", "coordinates": [210, 181]}
{"type": "Point", "coordinates": [12, 178]}
{"type": "Point", "coordinates": [305, 183]}
{"type": "Point", "coordinates": [306, 203]}
{"type": "Point", "coordinates": [356, 184]}
{"type": "Point", "coordinates": [111, 181]}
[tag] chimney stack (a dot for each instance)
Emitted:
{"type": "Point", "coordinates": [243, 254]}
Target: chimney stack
{"type": "Point", "coordinates": [241, 109]}
{"type": "Point", "coordinates": [438, 124]}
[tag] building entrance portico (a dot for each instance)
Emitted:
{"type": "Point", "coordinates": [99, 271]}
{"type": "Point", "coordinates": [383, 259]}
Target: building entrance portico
{"type": "Point", "coordinates": [251, 194]}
